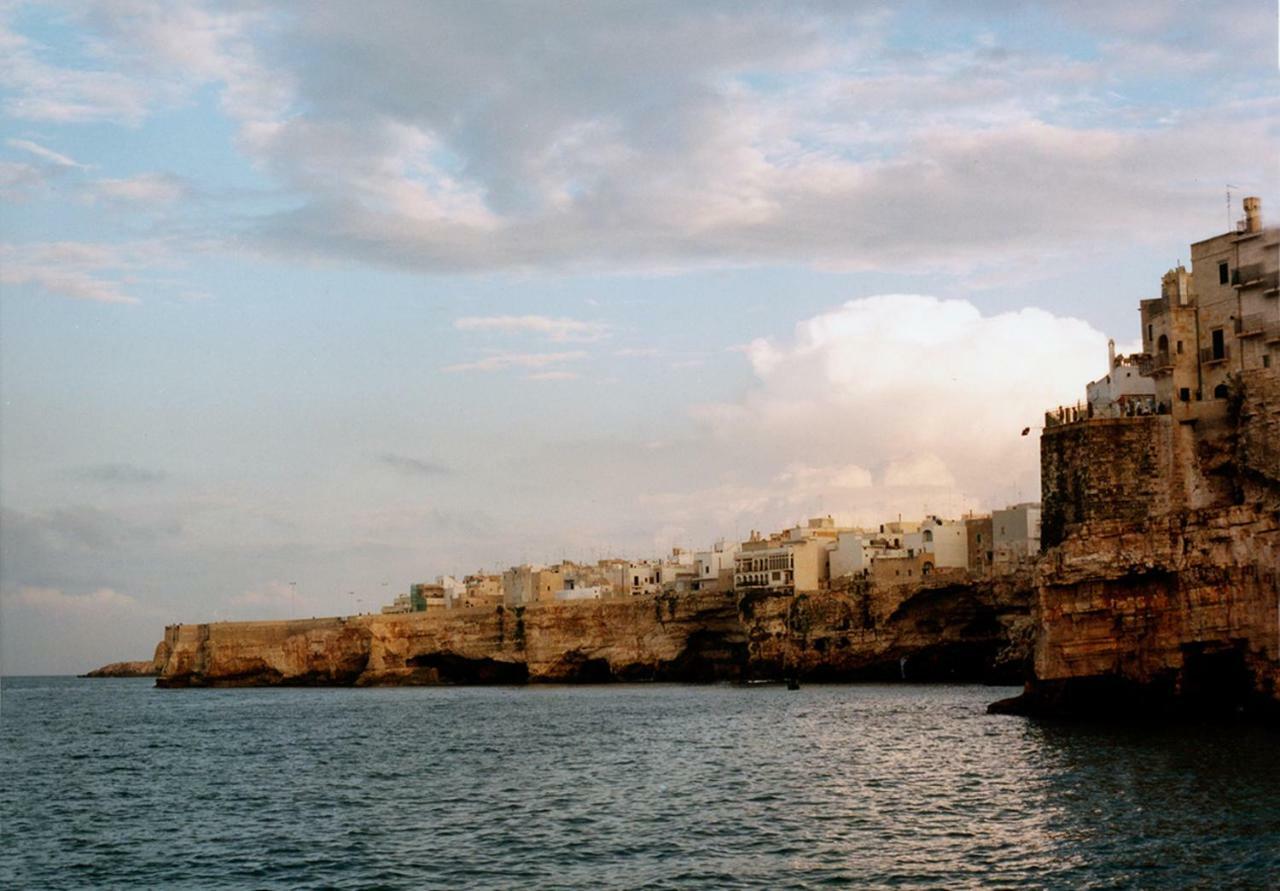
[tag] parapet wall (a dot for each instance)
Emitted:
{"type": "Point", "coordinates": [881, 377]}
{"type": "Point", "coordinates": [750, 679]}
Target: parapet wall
{"type": "Point", "coordinates": [1106, 469]}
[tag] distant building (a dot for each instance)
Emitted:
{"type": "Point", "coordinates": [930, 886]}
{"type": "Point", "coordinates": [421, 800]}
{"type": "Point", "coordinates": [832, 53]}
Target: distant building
{"type": "Point", "coordinates": [424, 596]}
{"type": "Point", "coordinates": [714, 568]}
{"type": "Point", "coordinates": [589, 592]}
{"type": "Point", "coordinates": [781, 563]}
{"type": "Point", "coordinates": [980, 543]}
{"type": "Point", "coordinates": [945, 541]}
{"type": "Point", "coordinates": [482, 590]}
{"type": "Point", "coordinates": [1016, 532]}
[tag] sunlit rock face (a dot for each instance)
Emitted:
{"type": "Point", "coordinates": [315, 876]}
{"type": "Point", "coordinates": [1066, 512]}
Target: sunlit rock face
{"type": "Point", "coordinates": [947, 629]}
{"type": "Point", "coordinates": [689, 638]}
{"type": "Point", "coordinates": [957, 628]}
{"type": "Point", "coordinates": [1174, 605]}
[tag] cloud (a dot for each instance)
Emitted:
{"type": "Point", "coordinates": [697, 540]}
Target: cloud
{"type": "Point", "coordinates": [55, 600]}
{"type": "Point", "coordinates": [130, 474]}
{"type": "Point", "coordinates": [146, 188]}
{"type": "Point", "coordinates": [552, 376]}
{"type": "Point", "coordinates": [96, 272]}
{"type": "Point", "coordinates": [923, 398]}
{"type": "Point", "coordinates": [504, 361]}
{"type": "Point", "coordinates": [272, 600]}
{"type": "Point", "coordinates": [45, 154]}
{"type": "Point", "coordinates": [559, 330]}
{"type": "Point", "coordinates": [412, 466]}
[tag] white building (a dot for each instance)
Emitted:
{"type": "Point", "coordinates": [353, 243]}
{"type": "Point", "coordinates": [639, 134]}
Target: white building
{"type": "Point", "coordinates": [589, 592]}
{"type": "Point", "coordinates": [946, 540]}
{"type": "Point", "coordinates": [1123, 390]}
{"type": "Point", "coordinates": [710, 566]}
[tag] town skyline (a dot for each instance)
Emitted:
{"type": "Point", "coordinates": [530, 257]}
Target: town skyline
{"type": "Point", "coordinates": [561, 284]}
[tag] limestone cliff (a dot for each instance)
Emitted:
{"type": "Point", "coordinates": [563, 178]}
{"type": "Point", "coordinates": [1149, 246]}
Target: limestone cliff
{"type": "Point", "coordinates": [948, 628]}
{"type": "Point", "coordinates": [1161, 591]}
{"type": "Point", "coordinates": [692, 637]}
{"type": "Point", "coordinates": [143, 668]}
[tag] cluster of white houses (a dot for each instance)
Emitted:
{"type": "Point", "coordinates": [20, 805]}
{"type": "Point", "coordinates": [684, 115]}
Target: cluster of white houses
{"type": "Point", "coordinates": [804, 558]}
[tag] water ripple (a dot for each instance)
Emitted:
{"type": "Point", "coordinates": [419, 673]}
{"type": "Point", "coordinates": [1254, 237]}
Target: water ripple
{"type": "Point", "coordinates": [112, 783]}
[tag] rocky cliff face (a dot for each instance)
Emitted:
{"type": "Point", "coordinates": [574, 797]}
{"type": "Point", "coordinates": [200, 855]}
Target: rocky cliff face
{"type": "Point", "coordinates": [957, 629]}
{"type": "Point", "coordinates": [946, 628]}
{"type": "Point", "coordinates": [144, 668]}
{"type": "Point", "coordinates": [691, 638]}
{"type": "Point", "coordinates": [1175, 608]}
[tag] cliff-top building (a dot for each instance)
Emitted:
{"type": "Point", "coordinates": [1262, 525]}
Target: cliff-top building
{"type": "Point", "coordinates": [1162, 584]}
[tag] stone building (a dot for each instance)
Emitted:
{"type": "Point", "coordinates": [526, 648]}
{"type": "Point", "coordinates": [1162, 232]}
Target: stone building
{"type": "Point", "coordinates": [1220, 318]}
{"type": "Point", "coordinates": [781, 563]}
{"type": "Point", "coordinates": [979, 542]}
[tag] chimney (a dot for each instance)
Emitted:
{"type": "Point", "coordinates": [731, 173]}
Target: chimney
{"type": "Point", "coordinates": [1253, 214]}
{"type": "Point", "coordinates": [1111, 354]}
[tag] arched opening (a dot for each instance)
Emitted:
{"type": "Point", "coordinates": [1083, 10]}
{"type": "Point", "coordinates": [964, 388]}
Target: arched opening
{"type": "Point", "coordinates": [1220, 391]}
{"type": "Point", "coordinates": [928, 535]}
{"type": "Point", "coordinates": [926, 569]}
{"type": "Point", "coordinates": [1162, 345]}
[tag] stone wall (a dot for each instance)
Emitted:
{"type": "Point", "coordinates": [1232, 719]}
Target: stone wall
{"type": "Point", "coordinates": [1104, 469]}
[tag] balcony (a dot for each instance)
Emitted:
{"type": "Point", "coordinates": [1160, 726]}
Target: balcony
{"type": "Point", "coordinates": [1250, 325]}
{"type": "Point", "coordinates": [1271, 332]}
{"type": "Point", "coordinates": [1209, 356]}
{"type": "Point", "coordinates": [1253, 276]}
{"type": "Point", "coordinates": [1153, 365]}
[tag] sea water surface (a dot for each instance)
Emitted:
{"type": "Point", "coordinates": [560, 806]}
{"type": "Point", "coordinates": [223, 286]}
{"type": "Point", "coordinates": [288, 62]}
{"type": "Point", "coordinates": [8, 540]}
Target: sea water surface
{"type": "Point", "coordinates": [116, 784]}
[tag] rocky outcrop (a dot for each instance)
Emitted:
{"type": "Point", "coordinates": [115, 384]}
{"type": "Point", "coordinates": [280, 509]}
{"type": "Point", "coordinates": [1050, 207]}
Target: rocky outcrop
{"type": "Point", "coordinates": [681, 638]}
{"type": "Point", "coordinates": [1175, 610]}
{"type": "Point", "coordinates": [144, 668]}
{"type": "Point", "coordinates": [141, 669]}
{"type": "Point", "coordinates": [950, 627]}
{"type": "Point", "coordinates": [954, 628]}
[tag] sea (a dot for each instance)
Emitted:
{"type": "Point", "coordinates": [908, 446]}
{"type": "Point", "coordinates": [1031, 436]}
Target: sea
{"type": "Point", "coordinates": [117, 784]}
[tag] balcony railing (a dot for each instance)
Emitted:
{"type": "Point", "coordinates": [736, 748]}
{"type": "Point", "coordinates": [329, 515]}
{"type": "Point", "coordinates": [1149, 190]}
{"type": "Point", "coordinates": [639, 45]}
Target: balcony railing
{"type": "Point", "coordinates": [1158, 363]}
{"type": "Point", "coordinates": [1250, 325]}
{"type": "Point", "coordinates": [1209, 356]}
{"type": "Point", "coordinates": [1250, 275]}
{"type": "Point", "coordinates": [1271, 331]}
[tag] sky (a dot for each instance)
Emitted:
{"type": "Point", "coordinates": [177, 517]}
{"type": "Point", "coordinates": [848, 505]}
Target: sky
{"type": "Point", "coordinates": [302, 303]}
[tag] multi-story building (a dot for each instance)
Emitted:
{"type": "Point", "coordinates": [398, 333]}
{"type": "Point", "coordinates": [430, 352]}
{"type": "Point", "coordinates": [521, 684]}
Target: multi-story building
{"type": "Point", "coordinates": [482, 590]}
{"type": "Point", "coordinates": [424, 596]}
{"type": "Point", "coordinates": [522, 585]}
{"type": "Point", "coordinates": [714, 568]}
{"type": "Point", "coordinates": [1016, 533]}
{"type": "Point", "coordinates": [945, 541]}
{"type": "Point", "coordinates": [781, 563]}
{"type": "Point", "coordinates": [979, 538]}
{"type": "Point", "coordinates": [1221, 317]}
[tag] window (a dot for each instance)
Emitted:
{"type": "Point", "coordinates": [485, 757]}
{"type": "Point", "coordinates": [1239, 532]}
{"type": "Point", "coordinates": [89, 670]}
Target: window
{"type": "Point", "coordinates": [1224, 275]}
{"type": "Point", "coordinates": [1266, 360]}
{"type": "Point", "coordinates": [1150, 336]}
{"type": "Point", "coordinates": [979, 538]}
{"type": "Point", "coordinates": [1185, 394]}
{"type": "Point", "coordinates": [1219, 344]}
{"type": "Point", "coordinates": [1163, 346]}
{"type": "Point", "coordinates": [1179, 348]}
